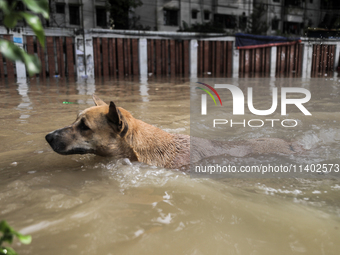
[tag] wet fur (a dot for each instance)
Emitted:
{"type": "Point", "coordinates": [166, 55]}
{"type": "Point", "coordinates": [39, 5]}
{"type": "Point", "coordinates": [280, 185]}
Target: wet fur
{"type": "Point", "coordinates": [111, 131]}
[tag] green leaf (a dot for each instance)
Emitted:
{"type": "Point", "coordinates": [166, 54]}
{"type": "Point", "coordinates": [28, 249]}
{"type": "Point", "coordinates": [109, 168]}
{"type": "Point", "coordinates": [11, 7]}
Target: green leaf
{"type": "Point", "coordinates": [11, 51]}
{"type": "Point", "coordinates": [4, 7]}
{"type": "Point", "coordinates": [35, 23]}
{"type": "Point", "coordinates": [7, 251]}
{"type": "Point", "coordinates": [25, 239]}
{"type": "Point", "coordinates": [4, 226]}
{"type": "Point", "coordinates": [15, 53]}
{"type": "Point", "coordinates": [3, 251]}
{"type": "Point", "coordinates": [11, 20]}
{"type": "Point", "coordinates": [8, 237]}
{"type": "Point", "coordinates": [38, 6]}
{"type": "Point", "coordinates": [32, 64]}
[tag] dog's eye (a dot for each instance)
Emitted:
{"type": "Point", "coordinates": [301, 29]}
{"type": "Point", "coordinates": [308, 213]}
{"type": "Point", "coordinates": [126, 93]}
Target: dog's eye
{"type": "Point", "coordinates": [82, 126]}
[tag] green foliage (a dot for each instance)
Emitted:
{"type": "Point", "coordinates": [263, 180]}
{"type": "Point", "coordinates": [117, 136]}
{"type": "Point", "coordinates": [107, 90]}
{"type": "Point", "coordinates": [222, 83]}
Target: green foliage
{"type": "Point", "coordinates": [8, 234]}
{"type": "Point", "coordinates": [208, 27]}
{"type": "Point", "coordinates": [11, 18]}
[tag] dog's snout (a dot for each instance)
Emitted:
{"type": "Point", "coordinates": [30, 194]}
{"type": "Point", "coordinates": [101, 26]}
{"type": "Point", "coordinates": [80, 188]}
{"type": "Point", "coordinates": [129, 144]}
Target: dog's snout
{"type": "Point", "coordinates": [49, 138]}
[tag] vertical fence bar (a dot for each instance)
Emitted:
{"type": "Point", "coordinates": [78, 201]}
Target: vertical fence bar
{"type": "Point", "coordinates": [200, 58]}
{"type": "Point", "coordinates": [283, 59]}
{"type": "Point", "coordinates": [180, 57]}
{"type": "Point", "coordinates": [317, 59]}
{"type": "Point", "coordinates": [258, 64]}
{"type": "Point", "coordinates": [206, 58]}
{"type": "Point", "coordinates": [135, 59]}
{"type": "Point", "coordinates": [128, 56]}
{"type": "Point", "coordinates": [224, 58]}
{"type": "Point", "coordinates": [299, 57]}
{"type": "Point", "coordinates": [112, 59]}
{"type": "Point", "coordinates": [158, 58]}
{"type": "Point", "coordinates": [278, 59]}
{"type": "Point", "coordinates": [164, 53]}
{"type": "Point", "coordinates": [70, 56]}
{"type": "Point", "coordinates": [322, 51]}
{"type": "Point", "coordinates": [150, 55]}
{"type": "Point", "coordinates": [313, 60]}
{"type": "Point", "coordinates": [60, 56]}
{"type": "Point", "coordinates": [172, 57]}
{"type": "Point", "coordinates": [263, 61]}
{"type": "Point", "coordinates": [41, 54]}
{"type": "Point", "coordinates": [120, 61]}
{"type": "Point", "coordinates": [212, 56]}
{"type": "Point", "coordinates": [296, 56]}
{"type": "Point", "coordinates": [50, 56]}
{"type": "Point", "coordinates": [325, 57]}
{"type": "Point", "coordinates": [286, 71]}
{"type": "Point", "coordinates": [247, 61]}
{"type": "Point", "coordinates": [252, 62]}
{"type": "Point", "coordinates": [186, 57]}
{"type": "Point", "coordinates": [331, 59]}
{"type": "Point", "coordinates": [30, 44]}
{"type": "Point", "coordinates": [268, 53]}
{"type": "Point", "coordinates": [291, 58]}
{"type": "Point", "coordinates": [105, 57]}
{"type": "Point", "coordinates": [242, 63]}
{"type": "Point", "coordinates": [218, 59]}
{"type": "Point", "coordinates": [166, 57]}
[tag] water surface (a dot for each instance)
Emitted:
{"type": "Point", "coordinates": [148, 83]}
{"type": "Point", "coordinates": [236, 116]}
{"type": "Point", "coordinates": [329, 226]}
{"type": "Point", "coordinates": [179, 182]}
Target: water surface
{"type": "Point", "coordinates": [83, 204]}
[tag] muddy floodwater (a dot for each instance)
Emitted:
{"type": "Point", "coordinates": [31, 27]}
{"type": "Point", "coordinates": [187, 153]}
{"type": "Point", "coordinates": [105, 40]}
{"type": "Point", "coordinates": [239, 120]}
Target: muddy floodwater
{"type": "Point", "coordinates": [83, 204]}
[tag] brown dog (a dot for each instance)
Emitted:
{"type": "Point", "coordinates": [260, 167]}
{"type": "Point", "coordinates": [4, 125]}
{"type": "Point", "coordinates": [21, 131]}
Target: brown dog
{"type": "Point", "coordinates": [111, 131]}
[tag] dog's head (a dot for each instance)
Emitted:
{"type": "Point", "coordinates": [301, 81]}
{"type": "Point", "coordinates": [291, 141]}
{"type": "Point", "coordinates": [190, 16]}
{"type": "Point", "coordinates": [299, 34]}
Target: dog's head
{"type": "Point", "coordinates": [99, 130]}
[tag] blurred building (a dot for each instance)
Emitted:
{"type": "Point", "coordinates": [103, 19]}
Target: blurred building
{"type": "Point", "coordinates": [168, 15]}
{"type": "Point", "coordinates": [72, 13]}
{"type": "Point", "coordinates": [291, 16]}
{"type": "Point", "coordinates": [271, 17]}
{"type": "Point", "coordinates": [278, 16]}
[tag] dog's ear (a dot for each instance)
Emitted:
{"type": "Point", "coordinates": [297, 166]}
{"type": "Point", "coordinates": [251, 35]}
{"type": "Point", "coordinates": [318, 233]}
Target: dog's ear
{"type": "Point", "coordinates": [114, 115]}
{"type": "Point", "coordinates": [98, 101]}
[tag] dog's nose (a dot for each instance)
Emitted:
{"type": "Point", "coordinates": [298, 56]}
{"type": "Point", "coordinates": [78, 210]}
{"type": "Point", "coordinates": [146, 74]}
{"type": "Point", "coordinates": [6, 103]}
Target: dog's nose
{"type": "Point", "coordinates": [49, 138]}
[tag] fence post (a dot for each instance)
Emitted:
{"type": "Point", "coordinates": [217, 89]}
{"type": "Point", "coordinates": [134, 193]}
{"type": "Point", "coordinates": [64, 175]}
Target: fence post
{"type": "Point", "coordinates": [273, 58]}
{"type": "Point", "coordinates": [89, 56]}
{"type": "Point", "coordinates": [80, 62]}
{"type": "Point", "coordinates": [193, 58]}
{"type": "Point", "coordinates": [81, 58]}
{"type": "Point", "coordinates": [307, 60]}
{"type": "Point", "coordinates": [236, 62]}
{"type": "Point", "coordinates": [143, 58]}
{"type": "Point", "coordinates": [20, 66]}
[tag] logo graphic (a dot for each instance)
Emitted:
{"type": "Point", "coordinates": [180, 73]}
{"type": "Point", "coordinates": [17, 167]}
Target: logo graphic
{"type": "Point", "coordinates": [238, 99]}
{"type": "Point", "coordinates": [204, 97]}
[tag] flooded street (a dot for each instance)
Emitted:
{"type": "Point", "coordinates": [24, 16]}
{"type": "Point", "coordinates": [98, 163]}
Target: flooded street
{"type": "Point", "coordinates": [85, 204]}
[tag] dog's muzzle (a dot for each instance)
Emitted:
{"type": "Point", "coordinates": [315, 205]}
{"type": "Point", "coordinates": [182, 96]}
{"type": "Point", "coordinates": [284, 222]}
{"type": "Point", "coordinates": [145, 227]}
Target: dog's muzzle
{"type": "Point", "coordinates": [60, 141]}
{"type": "Point", "coordinates": [54, 139]}
{"type": "Point", "coordinates": [49, 138]}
